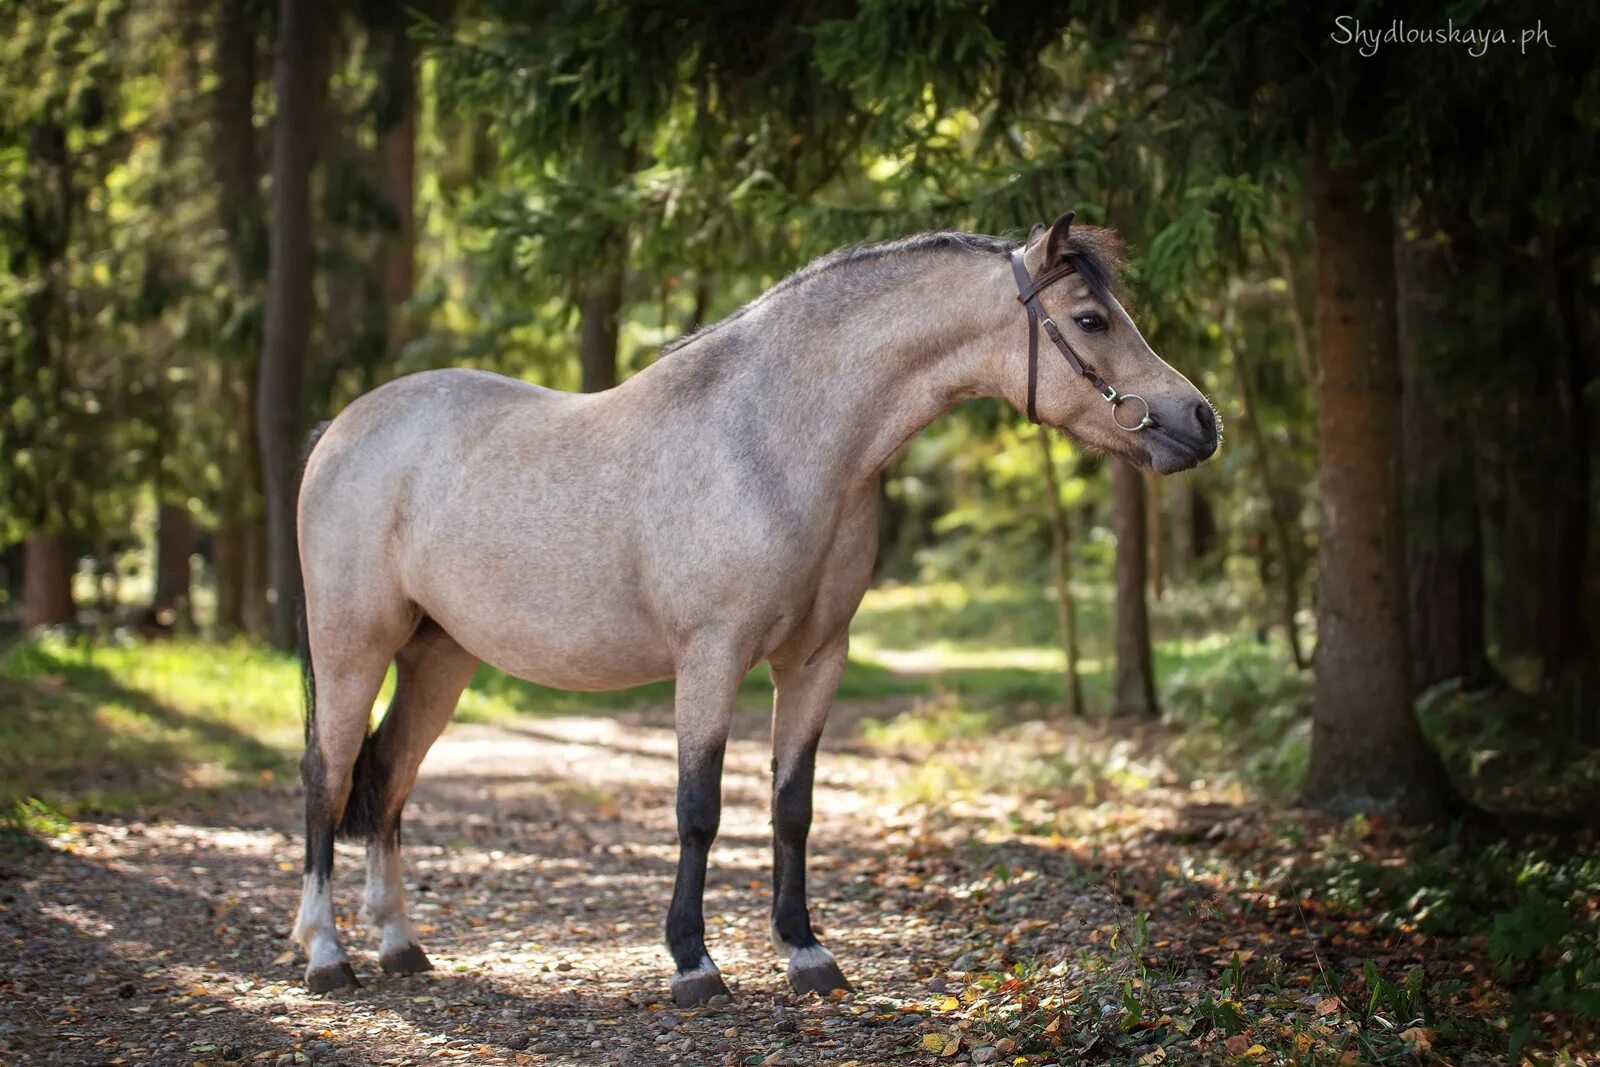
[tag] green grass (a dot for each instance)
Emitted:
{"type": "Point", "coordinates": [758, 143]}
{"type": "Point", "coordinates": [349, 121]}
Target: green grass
{"type": "Point", "coordinates": [100, 727]}
{"type": "Point", "coordinates": [111, 727]}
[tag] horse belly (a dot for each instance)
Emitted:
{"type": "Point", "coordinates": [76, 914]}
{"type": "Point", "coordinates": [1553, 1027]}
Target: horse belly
{"type": "Point", "coordinates": [581, 648]}
{"type": "Point", "coordinates": [552, 607]}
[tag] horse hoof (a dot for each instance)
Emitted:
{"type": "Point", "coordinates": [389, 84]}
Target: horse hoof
{"type": "Point", "coordinates": [334, 976]}
{"type": "Point", "coordinates": [694, 991]}
{"type": "Point", "coordinates": [408, 960]}
{"type": "Point", "coordinates": [819, 978]}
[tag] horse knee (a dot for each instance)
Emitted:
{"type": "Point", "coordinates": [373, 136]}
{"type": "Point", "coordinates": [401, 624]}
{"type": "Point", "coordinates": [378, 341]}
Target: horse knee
{"type": "Point", "coordinates": [699, 813]}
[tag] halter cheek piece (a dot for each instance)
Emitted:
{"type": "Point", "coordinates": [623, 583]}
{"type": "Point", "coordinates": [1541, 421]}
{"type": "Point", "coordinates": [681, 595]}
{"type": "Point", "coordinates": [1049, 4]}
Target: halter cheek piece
{"type": "Point", "coordinates": [1028, 290]}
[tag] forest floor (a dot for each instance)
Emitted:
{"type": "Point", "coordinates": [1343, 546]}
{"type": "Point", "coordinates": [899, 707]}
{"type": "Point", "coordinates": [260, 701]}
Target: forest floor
{"type": "Point", "coordinates": [1001, 885]}
{"type": "Point", "coordinates": [980, 921]}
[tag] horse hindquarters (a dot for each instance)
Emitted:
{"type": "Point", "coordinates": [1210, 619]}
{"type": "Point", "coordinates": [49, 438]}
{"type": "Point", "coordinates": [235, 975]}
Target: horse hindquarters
{"type": "Point", "coordinates": [356, 620]}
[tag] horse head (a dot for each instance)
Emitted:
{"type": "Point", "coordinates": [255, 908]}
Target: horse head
{"type": "Point", "coordinates": [1093, 375]}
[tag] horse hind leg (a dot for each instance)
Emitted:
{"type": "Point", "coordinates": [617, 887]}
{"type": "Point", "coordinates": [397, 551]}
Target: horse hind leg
{"type": "Point", "coordinates": [431, 672]}
{"type": "Point", "coordinates": [347, 676]}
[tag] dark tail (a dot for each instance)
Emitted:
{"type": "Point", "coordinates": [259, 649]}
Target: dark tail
{"type": "Point", "coordinates": [363, 810]}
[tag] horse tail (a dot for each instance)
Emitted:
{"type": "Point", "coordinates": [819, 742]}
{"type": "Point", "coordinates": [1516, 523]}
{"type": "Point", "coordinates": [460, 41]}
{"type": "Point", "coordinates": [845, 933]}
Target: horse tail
{"type": "Point", "coordinates": [363, 810]}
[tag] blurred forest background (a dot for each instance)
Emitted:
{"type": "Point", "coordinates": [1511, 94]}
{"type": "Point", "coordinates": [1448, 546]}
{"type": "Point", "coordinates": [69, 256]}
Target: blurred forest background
{"type": "Point", "coordinates": [221, 222]}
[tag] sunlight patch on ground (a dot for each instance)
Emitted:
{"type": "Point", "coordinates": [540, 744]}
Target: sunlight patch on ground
{"type": "Point", "coordinates": [940, 657]}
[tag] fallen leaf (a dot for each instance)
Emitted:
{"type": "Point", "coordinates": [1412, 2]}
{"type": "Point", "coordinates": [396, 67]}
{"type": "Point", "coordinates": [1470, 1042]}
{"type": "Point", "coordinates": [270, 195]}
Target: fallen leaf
{"type": "Point", "coordinates": [933, 1042]}
{"type": "Point", "coordinates": [1419, 1038]}
{"type": "Point", "coordinates": [286, 956]}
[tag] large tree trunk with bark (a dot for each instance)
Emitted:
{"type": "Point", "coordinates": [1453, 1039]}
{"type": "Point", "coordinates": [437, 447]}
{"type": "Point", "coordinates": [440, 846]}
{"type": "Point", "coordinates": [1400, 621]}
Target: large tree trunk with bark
{"type": "Point", "coordinates": [1061, 573]}
{"type": "Point", "coordinates": [1444, 549]}
{"type": "Point", "coordinates": [239, 547]}
{"type": "Point", "coordinates": [1135, 683]}
{"type": "Point", "coordinates": [301, 81]}
{"type": "Point", "coordinates": [1367, 750]}
{"type": "Point", "coordinates": [47, 567]}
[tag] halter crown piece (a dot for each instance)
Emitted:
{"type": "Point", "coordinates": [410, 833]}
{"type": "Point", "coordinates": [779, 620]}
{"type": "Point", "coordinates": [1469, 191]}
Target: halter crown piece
{"type": "Point", "coordinates": [1028, 290]}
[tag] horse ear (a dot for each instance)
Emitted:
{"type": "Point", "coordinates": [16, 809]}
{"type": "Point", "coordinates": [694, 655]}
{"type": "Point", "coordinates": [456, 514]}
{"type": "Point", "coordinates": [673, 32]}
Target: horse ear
{"type": "Point", "coordinates": [1055, 248]}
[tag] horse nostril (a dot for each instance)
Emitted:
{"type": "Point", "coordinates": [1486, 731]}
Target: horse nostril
{"type": "Point", "coordinates": [1207, 419]}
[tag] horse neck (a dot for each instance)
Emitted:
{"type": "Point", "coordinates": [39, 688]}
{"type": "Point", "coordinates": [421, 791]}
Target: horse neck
{"type": "Point", "coordinates": [844, 370]}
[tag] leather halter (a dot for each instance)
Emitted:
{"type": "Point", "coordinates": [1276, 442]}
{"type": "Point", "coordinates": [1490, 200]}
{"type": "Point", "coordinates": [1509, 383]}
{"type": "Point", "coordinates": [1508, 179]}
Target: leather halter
{"type": "Point", "coordinates": [1028, 290]}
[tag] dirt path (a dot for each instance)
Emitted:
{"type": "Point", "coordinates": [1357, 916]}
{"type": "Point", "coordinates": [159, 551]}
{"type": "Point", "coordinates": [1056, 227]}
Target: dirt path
{"type": "Point", "coordinates": [539, 858]}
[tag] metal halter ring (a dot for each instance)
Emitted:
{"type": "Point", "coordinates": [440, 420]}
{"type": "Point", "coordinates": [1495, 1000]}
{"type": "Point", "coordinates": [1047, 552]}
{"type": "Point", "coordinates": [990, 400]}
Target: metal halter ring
{"type": "Point", "coordinates": [1117, 398]}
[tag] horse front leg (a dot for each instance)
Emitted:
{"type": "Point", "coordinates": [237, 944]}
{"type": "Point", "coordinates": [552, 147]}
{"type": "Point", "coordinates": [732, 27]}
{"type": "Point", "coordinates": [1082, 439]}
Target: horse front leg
{"type": "Point", "coordinates": [800, 708]}
{"type": "Point", "coordinates": [703, 707]}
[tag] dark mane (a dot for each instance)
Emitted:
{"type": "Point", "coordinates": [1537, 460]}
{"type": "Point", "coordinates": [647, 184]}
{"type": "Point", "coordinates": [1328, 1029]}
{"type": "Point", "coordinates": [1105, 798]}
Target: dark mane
{"type": "Point", "coordinates": [1096, 252]}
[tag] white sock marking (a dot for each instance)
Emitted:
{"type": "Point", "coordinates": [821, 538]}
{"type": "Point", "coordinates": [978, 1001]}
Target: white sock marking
{"type": "Point", "coordinates": [384, 902]}
{"type": "Point", "coordinates": [314, 927]}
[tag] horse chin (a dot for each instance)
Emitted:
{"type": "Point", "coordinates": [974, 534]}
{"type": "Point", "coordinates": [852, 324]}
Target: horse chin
{"type": "Point", "coordinates": [1164, 455]}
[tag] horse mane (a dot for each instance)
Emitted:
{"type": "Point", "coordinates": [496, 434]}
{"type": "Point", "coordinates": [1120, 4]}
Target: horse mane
{"type": "Point", "coordinates": [1096, 251]}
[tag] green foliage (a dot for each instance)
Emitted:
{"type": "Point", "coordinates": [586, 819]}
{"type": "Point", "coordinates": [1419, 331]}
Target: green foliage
{"type": "Point", "coordinates": [1533, 908]}
{"type": "Point", "coordinates": [26, 823]}
{"type": "Point", "coordinates": [1512, 751]}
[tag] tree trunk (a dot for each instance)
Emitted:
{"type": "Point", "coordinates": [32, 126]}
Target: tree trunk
{"type": "Point", "coordinates": [240, 561]}
{"type": "Point", "coordinates": [702, 302]}
{"type": "Point", "coordinates": [1157, 563]}
{"type": "Point", "coordinates": [47, 568]}
{"type": "Point", "coordinates": [1061, 572]}
{"type": "Point", "coordinates": [1283, 541]}
{"type": "Point", "coordinates": [1367, 750]}
{"type": "Point", "coordinates": [1135, 687]}
{"type": "Point", "coordinates": [1444, 549]}
{"type": "Point", "coordinates": [1544, 474]}
{"type": "Point", "coordinates": [1180, 520]}
{"type": "Point", "coordinates": [227, 571]}
{"type": "Point", "coordinates": [398, 152]}
{"type": "Point", "coordinates": [239, 557]}
{"type": "Point", "coordinates": [174, 549]}
{"type": "Point", "coordinates": [301, 80]}
{"type": "Point", "coordinates": [601, 313]}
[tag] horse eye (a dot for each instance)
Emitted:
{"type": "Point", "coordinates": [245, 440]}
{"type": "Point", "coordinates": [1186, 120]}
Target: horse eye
{"type": "Point", "coordinates": [1090, 323]}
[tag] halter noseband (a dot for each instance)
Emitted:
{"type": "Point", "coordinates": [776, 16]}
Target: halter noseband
{"type": "Point", "coordinates": [1028, 290]}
